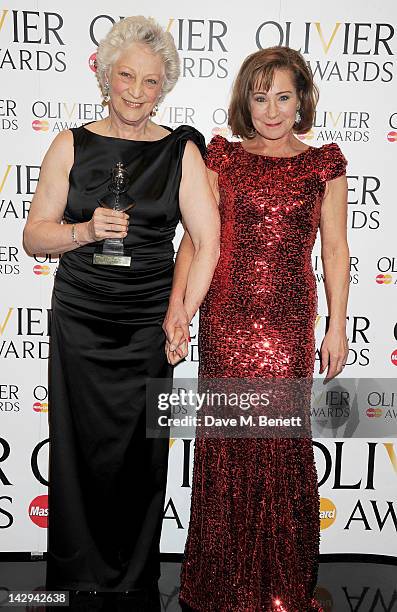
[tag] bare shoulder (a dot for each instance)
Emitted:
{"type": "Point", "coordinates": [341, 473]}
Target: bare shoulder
{"type": "Point", "coordinates": [61, 151]}
{"type": "Point", "coordinates": [192, 152]}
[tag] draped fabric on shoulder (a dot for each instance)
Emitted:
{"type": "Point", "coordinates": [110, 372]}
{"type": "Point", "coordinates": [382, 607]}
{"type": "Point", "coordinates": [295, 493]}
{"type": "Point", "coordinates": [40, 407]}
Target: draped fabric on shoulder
{"type": "Point", "coordinates": [107, 481]}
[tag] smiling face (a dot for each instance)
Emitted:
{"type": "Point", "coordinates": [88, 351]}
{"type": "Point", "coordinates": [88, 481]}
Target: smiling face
{"type": "Point", "coordinates": [273, 112]}
{"type": "Point", "coordinates": [135, 84]}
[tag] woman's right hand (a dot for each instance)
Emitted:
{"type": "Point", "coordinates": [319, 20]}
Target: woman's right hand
{"type": "Point", "coordinates": [107, 223]}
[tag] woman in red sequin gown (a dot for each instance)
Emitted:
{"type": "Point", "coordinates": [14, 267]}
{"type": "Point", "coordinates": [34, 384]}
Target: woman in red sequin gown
{"type": "Point", "coordinates": [253, 539]}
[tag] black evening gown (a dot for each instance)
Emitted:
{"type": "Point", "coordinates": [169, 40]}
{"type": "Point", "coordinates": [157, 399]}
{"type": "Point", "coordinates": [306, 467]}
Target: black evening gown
{"type": "Point", "coordinates": [107, 480]}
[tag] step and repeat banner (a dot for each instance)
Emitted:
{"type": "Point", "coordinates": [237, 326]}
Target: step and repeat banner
{"type": "Point", "coordinates": [48, 84]}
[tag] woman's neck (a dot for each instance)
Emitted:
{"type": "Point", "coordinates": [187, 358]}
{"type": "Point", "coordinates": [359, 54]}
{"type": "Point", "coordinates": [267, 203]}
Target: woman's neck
{"type": "Point", "coordinates": [141, 130]}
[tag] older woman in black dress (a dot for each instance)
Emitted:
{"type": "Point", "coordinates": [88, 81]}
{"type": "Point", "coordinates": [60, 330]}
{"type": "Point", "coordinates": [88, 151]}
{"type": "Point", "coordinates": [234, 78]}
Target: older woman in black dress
{"type": "Point", "coordinates": [107, 481]}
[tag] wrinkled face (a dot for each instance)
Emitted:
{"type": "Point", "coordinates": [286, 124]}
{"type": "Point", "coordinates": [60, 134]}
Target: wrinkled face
{"type": "Point", "coordinates": [135, 83]}
{"type": "Point", "coordinates": [273, 112]}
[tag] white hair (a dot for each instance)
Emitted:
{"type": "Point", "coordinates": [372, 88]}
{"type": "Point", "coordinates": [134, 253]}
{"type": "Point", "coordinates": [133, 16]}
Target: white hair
{"type": "Point", "coordinates": [138, 30]}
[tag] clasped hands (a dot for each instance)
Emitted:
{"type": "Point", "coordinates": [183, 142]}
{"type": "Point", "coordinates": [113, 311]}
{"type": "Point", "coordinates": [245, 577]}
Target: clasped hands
{"type": "Point", "coordinates": [176, 328]}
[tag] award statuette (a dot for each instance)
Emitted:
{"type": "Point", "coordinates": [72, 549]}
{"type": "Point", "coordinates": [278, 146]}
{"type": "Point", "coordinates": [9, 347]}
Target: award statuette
{"type": "Point", "coordinates": [112, 252]}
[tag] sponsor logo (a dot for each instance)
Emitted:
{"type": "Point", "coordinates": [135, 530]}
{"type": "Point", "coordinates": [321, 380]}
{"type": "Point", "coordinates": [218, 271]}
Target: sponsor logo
{"type": "Point", "coordinates": [177, 115]}
{"type": "Point", "coordinates": [40, 270]}
{"type": "Point", "coordinates": [365, 199]}
{"type": "Point", "coordinates": [40, 407]}
{"type": "Point", "coordinates": [92, 62]}
{"type": "Point", "coordinates": [40, 126]}
{"type": "Point", "coordinates": [8, 115]}
{"type": "Point", "coordinates": [9, 260]}
{"type": "Point", "coordinates": [202, 43]}
{"type": "Point", "coordinates": [392, 137]}
{"type": "Point", "coordinates": [358, 331]}
{"type": "Point", "coordinates": [384, 279]}
{"type": "Point", "coordinates": [220, 119]}
{"type": "Point", "coordinates": [387, 264]}
{"type": "Point", "coordinates": [382, 404]}
{"type": "Point", "coordinates": [9, 398]}
{"type": "Point", "coordinates": [33, 36]}
{"type": "Point", "coordinates": [38, 511]}
{"type": "Point", "coordinates": [339, 126]}
{"type": "Point", "coordinates": [336, 49]}
{"type": "Point", "coordinates": [374, 413]}
{"type": "Point", "coordinates": [393, 357]}
{"type": "Point", "coordinates": [319, 272]}
{"type": "Point", "coordinates": [327, 513]}
{"type": "Point", "coordinates": [56, 115]}
{"type": "Point", "coordinates": [28, 328]}
{"type": "Point", "coordinates": [308, 136]}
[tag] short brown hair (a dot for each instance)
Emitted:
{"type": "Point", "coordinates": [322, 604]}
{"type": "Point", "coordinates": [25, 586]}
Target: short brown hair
{"type": "Point", "coordinates": [260, 67]}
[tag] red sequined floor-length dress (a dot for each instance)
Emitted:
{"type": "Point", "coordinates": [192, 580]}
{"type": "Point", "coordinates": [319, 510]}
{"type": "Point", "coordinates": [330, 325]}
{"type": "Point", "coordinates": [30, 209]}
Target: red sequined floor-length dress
{"type": "Point", "coordinates": [253, 539]}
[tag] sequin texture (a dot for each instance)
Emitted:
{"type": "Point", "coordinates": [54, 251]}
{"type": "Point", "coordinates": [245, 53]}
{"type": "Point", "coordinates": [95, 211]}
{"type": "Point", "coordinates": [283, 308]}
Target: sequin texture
{"type": "Point", "coordinates": [253, 538]}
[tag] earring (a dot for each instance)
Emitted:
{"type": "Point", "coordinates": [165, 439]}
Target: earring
{"type": "Point", "coordinates": [106, 89]}
{"type": "Point", "coordinates": [298, 116]}
{"type": "Point", "coordinates": [154, 110]}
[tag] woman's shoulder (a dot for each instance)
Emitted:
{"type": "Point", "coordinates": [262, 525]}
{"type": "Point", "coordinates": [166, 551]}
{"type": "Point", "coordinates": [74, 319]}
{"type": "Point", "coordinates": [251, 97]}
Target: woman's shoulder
{"type": "Point", "coordinates": [332, 162]}
{"type": "Point", "coordinates": [218, 151]}
{"type": "Point", "coordinates": [219, 143]}
{"type": "Point", "coordinates": [184, 133]}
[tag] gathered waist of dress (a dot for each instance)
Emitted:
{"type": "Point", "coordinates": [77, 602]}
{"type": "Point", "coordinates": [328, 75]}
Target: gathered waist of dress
{"type": "Point", "coordinates": [152, 251]}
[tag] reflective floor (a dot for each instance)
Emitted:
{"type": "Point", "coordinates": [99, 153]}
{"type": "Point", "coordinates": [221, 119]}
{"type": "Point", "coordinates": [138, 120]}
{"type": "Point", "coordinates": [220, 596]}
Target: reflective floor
{"type": "Point", "coordinates": [342, 587]}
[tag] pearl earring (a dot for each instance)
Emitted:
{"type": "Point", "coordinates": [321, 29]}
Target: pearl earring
{"type": "Point", "coordinates": [298, 116]}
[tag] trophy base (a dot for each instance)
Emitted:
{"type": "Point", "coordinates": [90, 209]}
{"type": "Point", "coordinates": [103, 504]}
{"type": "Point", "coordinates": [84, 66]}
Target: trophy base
{"type": "Point", "coordinates": [112, 253]}
{"type": "Point", "coordinates": [106, 259]}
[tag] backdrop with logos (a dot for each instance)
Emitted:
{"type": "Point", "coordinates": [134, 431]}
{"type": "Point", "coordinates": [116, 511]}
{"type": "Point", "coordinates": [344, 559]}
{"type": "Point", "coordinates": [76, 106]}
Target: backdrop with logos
{"type": "Point", "coordinates": [48, 84]}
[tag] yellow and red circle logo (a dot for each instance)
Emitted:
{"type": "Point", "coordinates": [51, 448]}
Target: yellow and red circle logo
{"type": "Point", "coordinates": [384, 279]}
{"type": "Point", "coordinates": [40, 125]}
{"type": "Point", "coordinates": [393, 357]}
{"type": "Point", "coordinates": [392, 136]}
{"type": "Point", "coordinates": [308, 136]}
{"type": "Point", "coordinates": [92, 62]}
{"type": "Point", "coordinates": [41, 270]}
{"type": "Point", "coordinates": [374, 412]}
{"type": "Point", "coordinates": [221, 131]}
{"type": "Point", "coordinates": [40, 407]}
{"type": "Point", "coordinates": [327, 513]}
{"type": "Point", "coordinates": [38, 511]}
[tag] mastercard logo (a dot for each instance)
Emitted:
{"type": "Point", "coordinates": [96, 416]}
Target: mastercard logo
{"type": "Point", "coordinates": [92, 62]}
{"type": "Point", "coordinates": [374, 412]}
{"type": "Point", "coordinates": [38, 511]}
{"type": "Point", "coordinates": [327, 513]}
{"type": "Point", "coordinates": [384, 279]}
{"type": "Point", "coordinates": [40, 407]}
{"type": "Point", "coordinates": [393, 357]}
{"type": "Point", "coordinates": [324, 597]}
{"type": "Point", "coordinates": [40, 126]}
{"type": "Point", "coordinates": [392, 136]}
{"type": "Point", "coordinates": [41, 270]}
{"type": "Point", "coordinates": [308, 136]}
{"type": "Point", "coordinates": [221, 131]}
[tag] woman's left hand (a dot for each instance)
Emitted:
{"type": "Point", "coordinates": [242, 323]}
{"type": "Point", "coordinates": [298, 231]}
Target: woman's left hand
{"type": "Point", "coordinates": [176, 328]}
{"type": "Point", "coordinates": [176, 355]}
{"type": "Point", "coordinates": [334, 352]}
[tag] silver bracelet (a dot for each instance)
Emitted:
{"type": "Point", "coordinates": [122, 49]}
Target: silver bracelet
{"type": "Point", "coordinates": [74, 237]}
